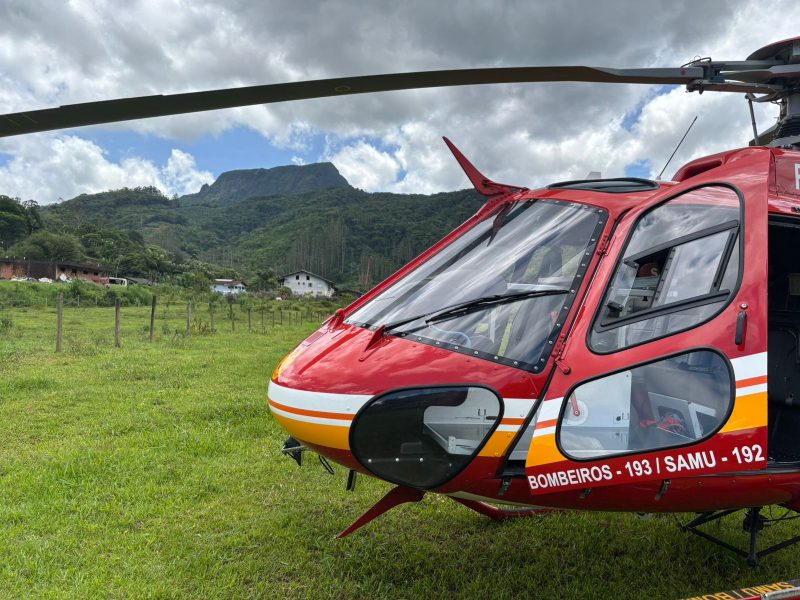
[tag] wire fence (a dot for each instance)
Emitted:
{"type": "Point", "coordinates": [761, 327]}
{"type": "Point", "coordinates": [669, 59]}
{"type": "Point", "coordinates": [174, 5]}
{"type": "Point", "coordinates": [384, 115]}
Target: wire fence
{"type": "Point", "coordinates": [159, 319]}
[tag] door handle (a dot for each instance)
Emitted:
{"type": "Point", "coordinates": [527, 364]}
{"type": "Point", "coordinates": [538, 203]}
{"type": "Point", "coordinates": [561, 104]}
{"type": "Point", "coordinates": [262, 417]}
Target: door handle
{"type": "Point", "coordinates": [741, 326]}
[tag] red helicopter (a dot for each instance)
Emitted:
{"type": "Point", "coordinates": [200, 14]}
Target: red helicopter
{"type": "Point", "coordinates": [602, 344]}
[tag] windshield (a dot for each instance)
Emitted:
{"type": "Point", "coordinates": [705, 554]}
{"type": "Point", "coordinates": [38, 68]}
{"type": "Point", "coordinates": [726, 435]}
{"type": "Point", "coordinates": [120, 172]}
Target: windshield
{"type": "Point", "coordinates": [529, 247]}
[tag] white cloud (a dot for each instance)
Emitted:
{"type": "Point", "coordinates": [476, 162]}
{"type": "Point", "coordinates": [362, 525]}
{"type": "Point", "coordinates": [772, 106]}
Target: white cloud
{"type": "Point", "coordinates": [45, 167]}
{"type": "Point", "coordinates": [181, 176]}
{"type": "Point", "coordinates": [528, 134]}
{"type": "Point", "coordinates": [366, 167]}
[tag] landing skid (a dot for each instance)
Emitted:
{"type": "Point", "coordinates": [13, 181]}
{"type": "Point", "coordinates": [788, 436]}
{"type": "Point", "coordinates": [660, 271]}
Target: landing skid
{"type": "Point", "coordinates": [401, 495]}
{"type": "Point", "coordinates": [499, 514]}
{"type": "Point", "coordinates": [753, 523]}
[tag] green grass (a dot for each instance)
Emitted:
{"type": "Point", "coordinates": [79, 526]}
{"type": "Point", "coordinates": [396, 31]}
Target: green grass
{"type": "Point", "coordinates": [154, 470]}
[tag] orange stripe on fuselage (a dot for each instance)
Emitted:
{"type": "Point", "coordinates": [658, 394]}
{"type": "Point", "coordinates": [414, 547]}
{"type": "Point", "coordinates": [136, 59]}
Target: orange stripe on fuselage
{"type": "Point", "coordinates": [498, 444]}
{"type": "Point", "coordinates": [331, 436]}
{"type": "Point", "coordinates": [543, 451]}
{"type": "Point", "coordinates": [741, 383]}
{"type": "Point", "coordinates": [311, 413]}
{"type": "Point", "coordinates": [748, 412]}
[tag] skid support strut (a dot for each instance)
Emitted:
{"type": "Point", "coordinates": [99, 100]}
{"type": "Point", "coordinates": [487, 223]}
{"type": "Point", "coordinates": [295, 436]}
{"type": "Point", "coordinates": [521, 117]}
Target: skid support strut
{"type": "Point", "coordinates": [396, 496]}
{"type": "Point", "coordinates": [753, 523]}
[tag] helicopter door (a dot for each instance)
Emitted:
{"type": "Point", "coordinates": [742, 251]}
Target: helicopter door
{"type": "Point", "coordinates": [668, 379]}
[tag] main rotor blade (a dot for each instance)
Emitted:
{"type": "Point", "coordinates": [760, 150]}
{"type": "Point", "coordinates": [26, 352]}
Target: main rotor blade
{"type": "Point", "coordinates": [109, 111]}
{"type": "Point", "coordinates": [765, 75]}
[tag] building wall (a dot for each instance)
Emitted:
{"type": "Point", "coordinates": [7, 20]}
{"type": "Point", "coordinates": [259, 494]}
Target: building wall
{"type": "Point", "coordinates": [77, 272]}
{"type": "Point", "coordinates": [38, 269]}
{"type": "Point", "coordinates": [9, 270]}
{"type": "Point", "coordinates": [224, 289]}
{"type": "Point", "coordinates": [305, 284]}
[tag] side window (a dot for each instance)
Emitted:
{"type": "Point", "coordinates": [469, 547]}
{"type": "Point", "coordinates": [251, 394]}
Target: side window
{"type": "Point", "coordinates": [680, 267]}
{"type": "Point", "coordinates": [672, 402]}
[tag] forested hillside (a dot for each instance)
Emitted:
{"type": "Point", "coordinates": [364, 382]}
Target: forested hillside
{"type": "Point", "coordinates": [253, 224]}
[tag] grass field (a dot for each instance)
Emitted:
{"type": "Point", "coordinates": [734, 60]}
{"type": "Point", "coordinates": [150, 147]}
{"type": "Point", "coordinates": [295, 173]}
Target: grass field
{"type": "Point", "coordinates": [153, 470]}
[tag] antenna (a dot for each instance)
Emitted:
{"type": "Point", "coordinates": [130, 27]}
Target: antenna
{"type": "Point", "coordinates": [676, 149]}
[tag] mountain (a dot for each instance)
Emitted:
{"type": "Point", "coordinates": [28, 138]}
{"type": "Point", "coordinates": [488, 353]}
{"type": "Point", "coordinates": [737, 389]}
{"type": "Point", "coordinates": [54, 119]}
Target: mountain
{"type": "Point", "coordinates": [234, 186]}
{"type": "Point", "coordinates": [296, 217]}
{"type": "Point", "coordinates": [341, 234]}
{"type": "Point", "coordinates": [129, 209]}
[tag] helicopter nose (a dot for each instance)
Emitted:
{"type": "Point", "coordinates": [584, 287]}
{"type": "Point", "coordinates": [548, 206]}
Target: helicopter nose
{"type": "Point", "coordinates": [382, 409]}
{"type": "Point", "coordinates": [418, 437]}
{"type": "Point", "coordinates": [320, 420]}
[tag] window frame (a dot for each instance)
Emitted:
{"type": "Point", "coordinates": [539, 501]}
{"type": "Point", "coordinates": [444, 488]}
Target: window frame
{"type": "Point", "coordinates": [737, 233]}
{"type": "Point", "coordinates": [705, 438]}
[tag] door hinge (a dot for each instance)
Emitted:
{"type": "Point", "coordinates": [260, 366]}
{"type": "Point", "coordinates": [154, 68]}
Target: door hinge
{"type": "Point", "coordinates": [603, 244]}
{"type": "Point", "coordinates": [559, 351]}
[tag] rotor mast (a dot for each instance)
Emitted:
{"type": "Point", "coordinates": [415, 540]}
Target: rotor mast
{"type": "Point", "coordinates": [775, 70]}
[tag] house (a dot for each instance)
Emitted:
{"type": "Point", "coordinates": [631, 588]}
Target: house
{"type": "Point", "coordinates": [57, 271]}
{"type": "Point", "coordinates": [305, 283]}
{"type": "Point", "coordinates": [139, 281]}
{"type": "Point", "coordinates": [228, 286]}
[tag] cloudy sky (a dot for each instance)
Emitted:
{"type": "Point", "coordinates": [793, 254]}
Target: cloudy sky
{"type": "Point", "coordinates": [56, 52]}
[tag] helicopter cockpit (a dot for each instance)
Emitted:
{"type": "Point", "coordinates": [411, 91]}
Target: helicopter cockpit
{"type": "Point", "coordinates": [500, 290]}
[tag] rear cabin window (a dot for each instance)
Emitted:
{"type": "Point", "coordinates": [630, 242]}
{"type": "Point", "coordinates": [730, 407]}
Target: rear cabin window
{"type": "Point", "coordinates": [680, 268]}
{"type": "Point", "coordinates": [672, 402]}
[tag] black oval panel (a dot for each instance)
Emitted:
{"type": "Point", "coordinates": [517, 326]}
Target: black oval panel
{"type": "Point", "coordinates": [423, 437]}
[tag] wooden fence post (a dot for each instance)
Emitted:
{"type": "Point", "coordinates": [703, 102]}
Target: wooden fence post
{"type": "Point", "coordinates": [59, 320]}
{"type": "Point", "coordinates": [116, 323]}
{"type": "Point", "coordinates": [188, 318]}
{"type": "Point", "coordinates": [249, 320]}
{"type": "Point", "coordinates": [211, 315]}
{"type": "Point", "coordinates": [153, 318]}
{"type": "Point", "coordinates": [262, 319]}
{"type": "Point", "coordinates": [233, 322]}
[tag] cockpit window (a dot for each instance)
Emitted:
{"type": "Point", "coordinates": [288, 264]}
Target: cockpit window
{"type": "Point", "coordinates": [680, 268]}
{"type": "Point", "coordinates": [500, 291]}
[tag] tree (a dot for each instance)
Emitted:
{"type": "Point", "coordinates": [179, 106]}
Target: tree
{"type": "Point", "coordinates": [44, 245]}
{"type": "Point", "coordinates": [32, 215]}
{"type": "Point", "coordinates": [262, 280]}
{"type": "Point", "coordinates": [195, 280]}
{"type": "Point", "coordinates": [13, 221]}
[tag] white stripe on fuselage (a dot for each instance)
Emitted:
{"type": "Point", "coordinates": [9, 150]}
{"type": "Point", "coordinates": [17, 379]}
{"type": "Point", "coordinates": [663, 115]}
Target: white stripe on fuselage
{"type": "Point", "coordinates": [747, 367]}
{"type": "Point", "coordinates": [350, 404]}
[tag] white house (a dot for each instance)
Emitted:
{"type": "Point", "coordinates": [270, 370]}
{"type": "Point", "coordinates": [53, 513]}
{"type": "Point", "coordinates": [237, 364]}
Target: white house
{"type": "Point", "coordinates": [228, 286]}
{"type": "Point", "coordinates": [304, 283]}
